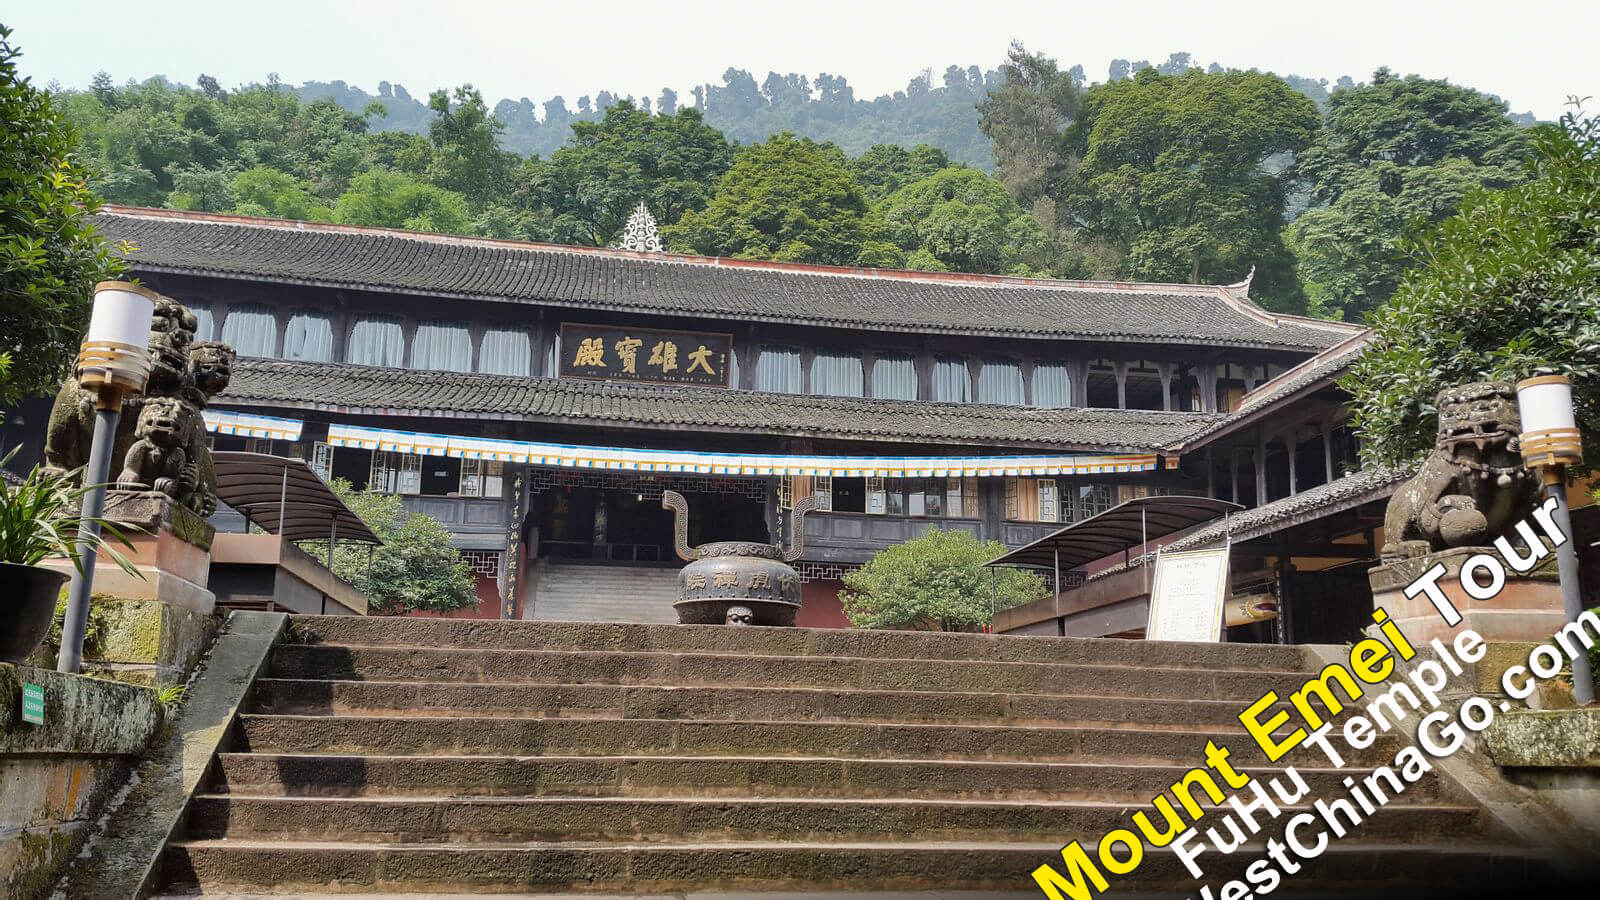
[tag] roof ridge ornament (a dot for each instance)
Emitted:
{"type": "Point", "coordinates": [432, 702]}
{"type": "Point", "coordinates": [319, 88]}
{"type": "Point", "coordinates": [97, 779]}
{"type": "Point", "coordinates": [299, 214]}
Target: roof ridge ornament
{"type": "Point", "coordinates": [640, 233]}
{"type": "Point", "coordinates": [1241, 289]}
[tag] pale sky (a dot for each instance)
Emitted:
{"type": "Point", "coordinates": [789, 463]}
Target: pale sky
{"type": "Point", "coordinates": [1532, 53]}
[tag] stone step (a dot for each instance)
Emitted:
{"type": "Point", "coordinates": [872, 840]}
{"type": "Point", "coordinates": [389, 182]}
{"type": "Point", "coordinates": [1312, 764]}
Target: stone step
{"type": "Point", "coordinates": [536, 736]}
{"type": "Point", "coordinates": [501, 819]}
{"type": "Point", "coordinates": [297, 866]}
{"type": "Point", "coordinates": [373, 663]}
{"type": "Point", "coordinates": [333, 775]}
{"type": "Point", "coordinates": [422, 698]}
{"type": "Point", "coordinates": [849, 642]}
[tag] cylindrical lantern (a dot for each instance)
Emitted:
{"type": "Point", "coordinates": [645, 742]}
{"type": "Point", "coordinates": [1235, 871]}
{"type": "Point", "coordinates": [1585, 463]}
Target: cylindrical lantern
{"type": "Point", "coordinates": [117, 350]}
{"type": "Point", "coordinates": [1549, 427]}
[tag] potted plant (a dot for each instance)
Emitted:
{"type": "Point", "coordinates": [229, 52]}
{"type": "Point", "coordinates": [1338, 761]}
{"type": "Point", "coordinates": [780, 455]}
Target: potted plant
{"type": "Point", "coordinates": [39, 521]}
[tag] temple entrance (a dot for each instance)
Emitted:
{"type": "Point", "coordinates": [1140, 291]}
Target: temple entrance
{"type": "Point", "coordinates": [617, 518]}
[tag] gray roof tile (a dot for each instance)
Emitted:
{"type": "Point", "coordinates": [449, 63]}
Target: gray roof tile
{"type": "Point", "coordinates": [363, 390]}
{"type": "Point", "coordinates": [439, 265]}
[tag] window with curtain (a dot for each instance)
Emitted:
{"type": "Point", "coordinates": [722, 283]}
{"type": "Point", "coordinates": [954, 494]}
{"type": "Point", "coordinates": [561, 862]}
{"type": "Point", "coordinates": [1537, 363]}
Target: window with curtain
{"type": "Point", "coordinates": [505, 351]}
{"type": "Point", "coordinates": [837, 375]}
{"type": "Point", "coordinates": [1000, 381]}
{"type": "Point", "coordinates": [251, 330]}
{"type": "Point", "coordinates": [778, 371]}
{"type": "Point", "coordinates": [309, 337]}
{"type": "Point", "coordinates": [894, 377]}
{"type": "Point", "coordinates": [377, 341]}
{"type": "Point", "coordinates": [205, 326]}
{"type": "Point", "coordinates": [442, 346]}
{"type": "Point", "coordinates": [1052, 386]}
{"type": "Point", "coordinates": [951, 383]}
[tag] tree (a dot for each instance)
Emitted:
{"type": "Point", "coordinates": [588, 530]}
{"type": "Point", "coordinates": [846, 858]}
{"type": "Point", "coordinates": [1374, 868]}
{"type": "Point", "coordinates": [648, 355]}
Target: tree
{"type": "Point", "coordinates": [393, 200]}
{"type": "Point", "coordinates": [671, 162]}
{"type": "Point", "coordinates": [885, 168]}
{"type": "Point", "coordinates": [935, 582]}
{"type": "Point", "coordinates": [50, 255]}
{"type": "Point", "coordinates": [963, 219]}
{"type": "Point", "coordinates": [1026, 118]}
{"type": "Point", "coordinates": [1396, 154]}
{"type": "Point", "coordinates": [1508, 287]}
{"type": "Point", "coordinates": [414, 569]}
{"type": "Point", "coordinates": [466, 146]}
{"type": "Point", "coordinates": [265, 191]}
{"type": "Point", "coordinates": [1175, 172]}
{"type": "Point", "coordinates": [786, 198]}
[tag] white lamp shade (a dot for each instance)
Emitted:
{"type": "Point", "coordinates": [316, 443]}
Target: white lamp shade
{"type": "Point", "coordinates": [121, 315]}
{"type": "Point", "coordinates": [1546, 404]}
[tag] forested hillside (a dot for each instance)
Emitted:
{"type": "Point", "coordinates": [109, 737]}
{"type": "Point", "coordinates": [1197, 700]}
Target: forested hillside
{"type": "Point", "coordinates": [1164, 173]}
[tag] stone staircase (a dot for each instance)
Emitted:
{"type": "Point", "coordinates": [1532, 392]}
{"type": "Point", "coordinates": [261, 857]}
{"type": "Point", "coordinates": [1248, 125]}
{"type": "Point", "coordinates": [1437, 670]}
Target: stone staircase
{"type": "Point", "coordinates": [577, 592]}
{"type": "Point", "coordinates": [386, 756]}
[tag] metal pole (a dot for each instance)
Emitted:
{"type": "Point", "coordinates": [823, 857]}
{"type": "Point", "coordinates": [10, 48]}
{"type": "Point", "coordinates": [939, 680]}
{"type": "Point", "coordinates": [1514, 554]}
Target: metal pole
{"type": "Point", "coordinates": [1572, 601]}
{"type": "Point", "coordinates": [992, 590]}
{"type": "Point", "coordinates": [283, 497]}
{"type": "Point", "coordinates": [1144, 549]}
{"type": "Point", "coordinates": [333, 538]}
{"type": "Point", "coordinates": [1057, 570]}
{"type": "Point", "coordinates": [76, 622]}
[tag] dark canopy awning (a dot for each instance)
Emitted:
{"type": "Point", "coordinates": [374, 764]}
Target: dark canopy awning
{"type": "Point", "coordinates": [259, 485]}
{"type": "Point", "coordinates": [1116, 530]}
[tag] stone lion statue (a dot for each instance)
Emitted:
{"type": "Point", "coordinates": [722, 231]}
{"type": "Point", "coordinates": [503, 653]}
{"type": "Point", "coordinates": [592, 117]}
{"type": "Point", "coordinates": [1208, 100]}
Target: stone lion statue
{"type": "Point", "coordinates": [184, 376]}
{"type": "Point", "coordinates": [1472, 486]}
{"type": "Point", "coordinates": [159, 459]}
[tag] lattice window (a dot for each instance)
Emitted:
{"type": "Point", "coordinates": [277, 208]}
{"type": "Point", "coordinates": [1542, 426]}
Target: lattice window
{"type": "Point", "coordinates": [817, 571]}
{"type": "Point", "coordinates": [483, 562]}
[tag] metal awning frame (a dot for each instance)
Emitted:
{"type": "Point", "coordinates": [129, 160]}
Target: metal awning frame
{"type": "Point", "coordinates": [283, 496]}
{"type": "Point", "coordinates": [1132, 523]}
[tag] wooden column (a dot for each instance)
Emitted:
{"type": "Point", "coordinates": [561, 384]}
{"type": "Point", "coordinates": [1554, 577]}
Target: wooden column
{"type": "Point", "coordinates": [869, 359]}
{"type": "Point", "coordinates": [1291, 444]}
{"type": "Point", "coordinates": [924, 375]}
{"type": "Point", "coordinates": [1166, 370]}
{"type": "Point", "coordinates": [1079, 370]}
{"type": "Point", "coordinates": [1233, 473]}
{"type": "Point", "coordinates": [1261, 471]}
{"type": "Point", "coordinates": [1327, 449]}
{"type": "Point", "coordinates": [1211, 479]}
{"type": "Point", "coordinates": [1121, 369]}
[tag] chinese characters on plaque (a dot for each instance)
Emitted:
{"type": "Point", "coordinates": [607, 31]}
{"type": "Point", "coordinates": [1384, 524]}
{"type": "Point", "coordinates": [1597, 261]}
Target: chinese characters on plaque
{"type": "Point", "coordinates": [641, 354]}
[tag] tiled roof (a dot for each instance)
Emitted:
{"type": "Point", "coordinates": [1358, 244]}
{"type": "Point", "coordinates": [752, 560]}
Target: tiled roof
{"type": "Point", "coordinates": [1317, 370]}
{"type": "Point", "coordinates": [1342, 493]}
{"type": "Point", "coordinates": [445, 266]}
{"type": "Point", "coordinates": [362, 390]}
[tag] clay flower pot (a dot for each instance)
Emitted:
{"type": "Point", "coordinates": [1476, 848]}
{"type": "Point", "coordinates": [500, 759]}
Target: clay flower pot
{"type": "Point", "coordinates": [27, 604]}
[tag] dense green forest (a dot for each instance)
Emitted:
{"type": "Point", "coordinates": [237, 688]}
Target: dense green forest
{"type": "Point", "coordinates": [1168, 172]}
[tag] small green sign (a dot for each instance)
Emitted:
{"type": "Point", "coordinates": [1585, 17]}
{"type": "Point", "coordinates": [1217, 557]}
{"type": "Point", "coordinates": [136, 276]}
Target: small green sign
{"type": "Point", "coordinates": [33, 704]}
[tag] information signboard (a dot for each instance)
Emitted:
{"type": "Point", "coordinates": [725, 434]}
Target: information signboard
{"type": "Point", "coordinates": [33, 704]}
{"type": "Point", "coordinates": [1187, 596]}
{"type": "Point", "coordinates": [642, 354]}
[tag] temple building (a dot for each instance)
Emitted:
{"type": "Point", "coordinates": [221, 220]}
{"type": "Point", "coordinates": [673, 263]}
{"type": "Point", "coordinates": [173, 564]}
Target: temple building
{"type": "Point", "coordinates": [537, 399]}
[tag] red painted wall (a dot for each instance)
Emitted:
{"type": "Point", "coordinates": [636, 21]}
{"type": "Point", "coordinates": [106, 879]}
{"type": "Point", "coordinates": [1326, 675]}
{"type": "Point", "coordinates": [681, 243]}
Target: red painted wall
{"type": "Point", "coordinates": [819, 606]}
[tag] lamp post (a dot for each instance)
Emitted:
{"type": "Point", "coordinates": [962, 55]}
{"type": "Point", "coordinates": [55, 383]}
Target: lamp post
{"type": "Point", "coordinates": [113, 361]}
{"type": "Point", "coordinates": [1550, 443]}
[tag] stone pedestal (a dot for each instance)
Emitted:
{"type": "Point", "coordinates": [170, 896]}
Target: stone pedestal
{"type": "Point", "coordinates": [171, 550]}
{"type": "Point", "coordinates": [154, 628]}
{"type": "Point", "coordinates": [1528, 608]}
